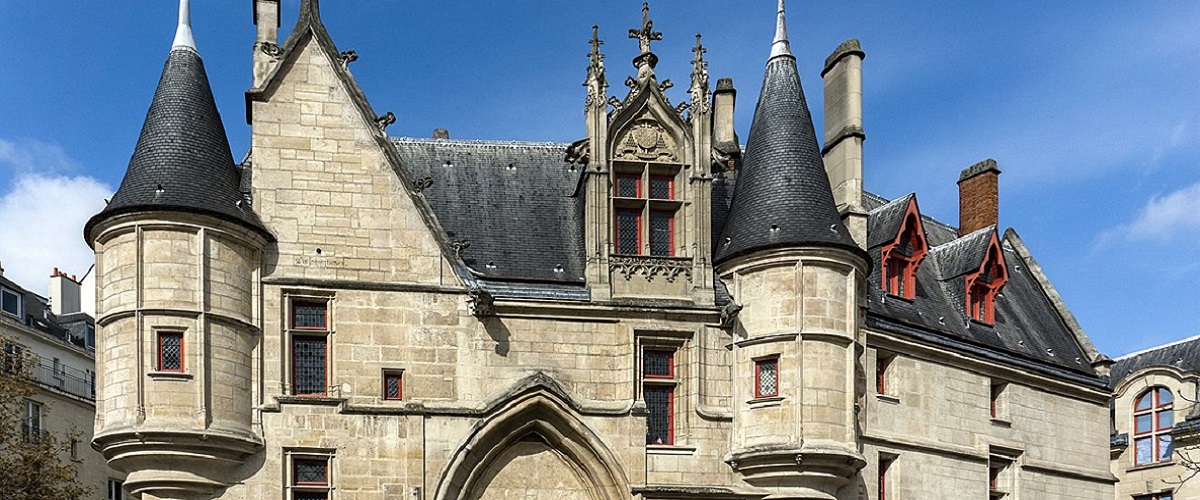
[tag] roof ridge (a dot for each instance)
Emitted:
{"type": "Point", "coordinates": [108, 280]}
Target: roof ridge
{"type": "Point", "coordinates": [479, 142]}
{"type": "Point", "coordinates": [962, 240]}
{"type": "Point", "coordinates": [1157, 348]}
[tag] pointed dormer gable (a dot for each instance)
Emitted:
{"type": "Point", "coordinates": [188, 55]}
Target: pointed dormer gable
{"type": "Point", "coordinates": [897, 231]}
{"type": "Point", "coordinates": [182, 161]}
{"type": "Point", "coordinates": [782, 197]}
{"type": "Point", "coordinates": [978, 260]}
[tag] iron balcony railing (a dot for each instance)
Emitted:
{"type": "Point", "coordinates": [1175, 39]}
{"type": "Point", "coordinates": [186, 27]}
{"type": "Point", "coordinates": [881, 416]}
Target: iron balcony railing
{"type": "Point", "coordinates": [47, 376]}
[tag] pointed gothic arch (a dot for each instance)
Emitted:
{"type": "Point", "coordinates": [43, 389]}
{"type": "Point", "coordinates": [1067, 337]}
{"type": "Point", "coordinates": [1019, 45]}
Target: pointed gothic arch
{"type": "Point", "coordinates": [542, 416]}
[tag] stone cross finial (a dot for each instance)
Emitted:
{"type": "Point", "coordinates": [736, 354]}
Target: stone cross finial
{"type": "Point", "coordinates": [699, 88]}
{"type": "Point", "coordinates": [596, 81]}
{"type": "Point", "coordinates": [646, 34]}
{"type": "Point", "coordinates": [699, 65]}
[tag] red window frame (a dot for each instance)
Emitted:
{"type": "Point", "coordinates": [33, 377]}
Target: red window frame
{"type": "Point", "coordinates": [758, 366]}
{"type": "Point", "coordinates": [899, 270]}
{"type": "Point", "coordinates": [162, 336]}
{"type": "Point", "coordinates": [983, 285]}
{"type": "Point", "coordinates": [398, 376]}
{"type": "Point", "coordinates": [665, 383]}
{"type": "Point", "coordinates": [670, 186]}
{"type": "Point", "coordinates": [1155, 411]}
{"type": "Point", "coordinates": [670, 390]}
{"type": "Point", "coordinates": [670, 364]}
{"type": "Point", "coordinates": [637, 213]}
{"type": "Point", "coordinates": [325, 345]}
{"type": "Point", "coordinates": [996, 392]}
{"type": "Point", "coordinates": [884, 465]}
{"type": "Point", "coordinates": [882, 363]}
{"type": "Point", "coordinates": [671, 232]}
{"type": "Point", "coordinates": [309, 303]}
{"type": "Point", "coordinates": [637, 180]}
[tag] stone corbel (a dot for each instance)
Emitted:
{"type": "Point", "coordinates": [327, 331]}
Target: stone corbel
{"type": "Point", "coordinates": [481, 302]}
{"type": "Point", "coordinates": [271, 49]}
{"type": "Point", "coordinates": [729, 314]}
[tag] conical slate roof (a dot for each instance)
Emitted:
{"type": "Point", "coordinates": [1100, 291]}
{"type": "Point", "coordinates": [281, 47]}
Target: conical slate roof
{"type": "Point", "coordinates": [182, 160]}
{"type": "Point", "coordinates": [782, 197]}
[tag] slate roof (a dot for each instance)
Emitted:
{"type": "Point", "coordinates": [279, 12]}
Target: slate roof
{"type": "Point", "coordinates": [1183, 355]}
{"type": "Point", "coordinates": [782, 195]}
{"type": "Point", "coordinates": [512, 201]}
{"type": "Point", "coordinates": [884, 224]}
{"type": "Point", "coordinates": [36, 314]}
{"type": "Point", "coordinates": [1027, 324]}
{"type": "Point", "coordinates": [182, 160]}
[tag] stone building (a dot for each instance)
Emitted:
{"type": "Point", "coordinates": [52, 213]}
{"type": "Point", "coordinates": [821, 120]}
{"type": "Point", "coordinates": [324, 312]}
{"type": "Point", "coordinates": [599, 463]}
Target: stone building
{"type": "Point", "coordinates": [51, 340]}
{"type": "Point", "coordinates": [1156, 423]}
{"type": "Point", "coordinates": [653, 311]}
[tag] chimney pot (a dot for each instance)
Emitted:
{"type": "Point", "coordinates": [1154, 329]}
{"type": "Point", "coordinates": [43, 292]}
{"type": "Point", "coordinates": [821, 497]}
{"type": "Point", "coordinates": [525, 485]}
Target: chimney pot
{"type": "Point", "coordinates": [978, 197]}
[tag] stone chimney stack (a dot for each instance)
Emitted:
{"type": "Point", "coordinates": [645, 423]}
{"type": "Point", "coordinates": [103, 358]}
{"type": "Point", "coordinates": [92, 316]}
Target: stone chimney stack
{"type": "Point", "coordinates": [64, 294]}
{"type": "Point", "coordinates": [266, 48]}
{"type": "Point", "coordinates": [724, 136]}
{"type": "Point", "coordinates": [844, 136]}
{"type": "Point", "coordinates": [441, 133]}
{"type": "Point", "coordinates": [978, 197]}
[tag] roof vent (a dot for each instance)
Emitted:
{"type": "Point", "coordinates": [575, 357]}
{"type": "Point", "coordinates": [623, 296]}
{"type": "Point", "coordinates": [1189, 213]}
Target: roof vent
{"type": "Point", "coordinates": [774, 228]}
{"type": "Point", "coordinates": [159, 190]}
{"type": "Point", "coordinates": [558, 269]}
{"type": "Point", "coordinates": [1050, 351]}
{"type": "Point", "coordinates": [448, 164]}
{"type": "Point", "coordinates": [510, 167]}
{"type": "Point", "coordinates": [491, 264]}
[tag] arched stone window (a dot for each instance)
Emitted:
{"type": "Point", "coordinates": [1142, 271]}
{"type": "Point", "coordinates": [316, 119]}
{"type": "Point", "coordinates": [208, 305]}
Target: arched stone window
{"type": "Point", "coordinates": [1153, 417]}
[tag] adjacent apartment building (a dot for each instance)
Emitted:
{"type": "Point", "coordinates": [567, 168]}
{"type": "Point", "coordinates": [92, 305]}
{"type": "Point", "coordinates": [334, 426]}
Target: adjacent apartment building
{"type": "Point", "coordinates": [1156, 422]}
{"type": "Point", "coordinates": [53, 341]}
{"type": "Point", "coordinates": [655, 311]}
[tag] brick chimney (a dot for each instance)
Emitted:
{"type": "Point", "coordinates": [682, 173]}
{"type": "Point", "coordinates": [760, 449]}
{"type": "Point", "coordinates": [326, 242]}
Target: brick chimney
{"type": "Point", "coordinates": [978, 197]}
{"type": "Point", "coordinates": [64, 294]}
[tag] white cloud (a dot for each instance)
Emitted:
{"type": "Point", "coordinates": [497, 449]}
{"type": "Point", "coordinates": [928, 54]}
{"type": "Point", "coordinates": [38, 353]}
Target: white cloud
{"type": "Point", "coordinates": [1162, 219]}
{"type": "Point", "coordinates": [41, 225]}
{"type": "Point", "coordinates": [27, 155]}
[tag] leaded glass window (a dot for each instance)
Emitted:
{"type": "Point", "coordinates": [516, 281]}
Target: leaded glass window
{"type": "Point", "coordinates": [392, 385]}
{"type": "Point", "coordinates": [662, 225]}
{"type": "Point", "coordinates": [310, 478]}
{"type": "Point", "coordinates": [660, 402]}
{"type": "Point", "coordinates": [766, 382]}
{"type": "Point", "coordinates": [308, 365]}
{"type": "Point", "coordinates": [309, 315]}
{"type": "Point", "coordinates": [170, 351]}
{"type": "Point", "coordinates": [629, 186]}
{"type": "Point", "coordinates": [658, 364]}
{"type": "Point", "coordinates": [628, 232]}
{"type": "Point", "coordinates": [662, 188]}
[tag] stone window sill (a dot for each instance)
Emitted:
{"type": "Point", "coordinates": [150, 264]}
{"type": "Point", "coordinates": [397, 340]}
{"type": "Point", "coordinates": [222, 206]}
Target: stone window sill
{"type": "Point", "coordinates": [1001, 422]}
{"type": "Point", "coordinates": [170, 375]}
{"type": "Point", "coordinates": [887, 398]}
{"type": "Point", "coordinates": [765, 401]}
{"type": "Point", "coordinates": [670, 449]}
{"type": "Point", "coordinates": [1155, 465]}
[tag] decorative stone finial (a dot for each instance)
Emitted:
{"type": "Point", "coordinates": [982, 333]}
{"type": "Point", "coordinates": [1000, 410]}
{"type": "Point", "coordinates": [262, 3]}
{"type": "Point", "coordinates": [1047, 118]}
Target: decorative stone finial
{"type": "Point", "coordinates": [596, 82]}
{"type": "Point", "coordinates": [781, 46]}
{"type": "Point", "coordinates": [644, 36]}
{"type": "Point", "coordinates": [699, 88]}
{"type": "Point", "coordinates": [183, 34]}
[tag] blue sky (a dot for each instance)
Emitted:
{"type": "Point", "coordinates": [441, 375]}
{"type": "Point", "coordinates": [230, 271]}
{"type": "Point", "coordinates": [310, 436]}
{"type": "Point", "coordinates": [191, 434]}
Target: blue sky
{"type": "Point", "coordinates": [1092, 110]}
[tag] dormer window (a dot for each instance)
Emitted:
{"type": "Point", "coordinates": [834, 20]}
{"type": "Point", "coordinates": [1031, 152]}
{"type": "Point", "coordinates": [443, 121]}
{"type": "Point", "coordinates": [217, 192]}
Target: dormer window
{"type": "Point", "coordinates": [10, 302]}
{"type": "Point", "coordinates": [983, 285]}
{"type": "Point", "coordinates": [644, 210]}
{"type": "Point", "coordinates": [902, 257]}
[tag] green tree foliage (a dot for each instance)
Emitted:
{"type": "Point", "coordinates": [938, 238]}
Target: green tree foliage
{"type": "Point", "coordinates": [34, 464]}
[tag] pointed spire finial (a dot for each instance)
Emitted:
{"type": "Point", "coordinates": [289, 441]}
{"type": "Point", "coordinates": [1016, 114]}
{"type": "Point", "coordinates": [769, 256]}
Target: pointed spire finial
{"type": "Point", "coordinates": [781, 46]}
{"type": "Point", "coordinates": [183, 34]}
{"type": "Point", "coordinates": [646, 34]}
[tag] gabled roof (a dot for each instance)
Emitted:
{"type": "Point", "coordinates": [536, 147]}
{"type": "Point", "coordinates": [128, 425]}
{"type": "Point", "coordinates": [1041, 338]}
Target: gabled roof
{"type": "Point", "coordinates": [782, 196]}
{"type": "Point", "coordinates": [1183, 355]}
{"type": "Point", "coordinates": [883, 223]}
{"type": "Point", "coordinates": [964, 254]}
{"type": "Point", "coordinates": [182, 160]}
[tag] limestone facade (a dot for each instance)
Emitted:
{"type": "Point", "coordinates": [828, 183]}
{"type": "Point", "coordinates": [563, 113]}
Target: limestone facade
{"type": "Point", "coordinates": [435, 381]}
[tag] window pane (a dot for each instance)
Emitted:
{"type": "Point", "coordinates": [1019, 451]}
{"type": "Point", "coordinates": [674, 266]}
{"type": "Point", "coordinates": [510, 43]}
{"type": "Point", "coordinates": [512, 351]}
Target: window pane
{"type": "Point", "coordinates": [660, 233]}
{"type": "Point", "coordinates": [1164, 396]}
{"type": "Point", "coordinates": [10, 302]}
{"type": "Point", "coordinates": [627, 232]}
{"type": "Point", "coordinates": [627, 186]}
{"type": "Point", "coordinates": [170, 351]}
{"type": "Point", "coordinates": [308, 315]}
{"type": "Point", "coordinates": [308, 362]}
{"type": "Point", "coordinates": [768, 377]}
{"type": "Point", "coordinates": [658, 420]}
{"type": "Point", "coordinates": [311, 472]}
{"type": "Point", "coordinates": [1143, 423]}
{"type": "Point", "coordinates": [660, 188]}
{"type": "Point", "coordinates": [391, 386]}
{"type": "Point", "coordinates": [1166, 419]}
{"type": "Point", "coordinates": [310, 495]}
{"type": "Point", "coordinates": [1144, 402]}
{"type": "Point", "coordinates": [1164, 447]}
{"type": "Point", "coordinates": [1144, 453]}
{"type": "Point", "coordinates": [657, 364]}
